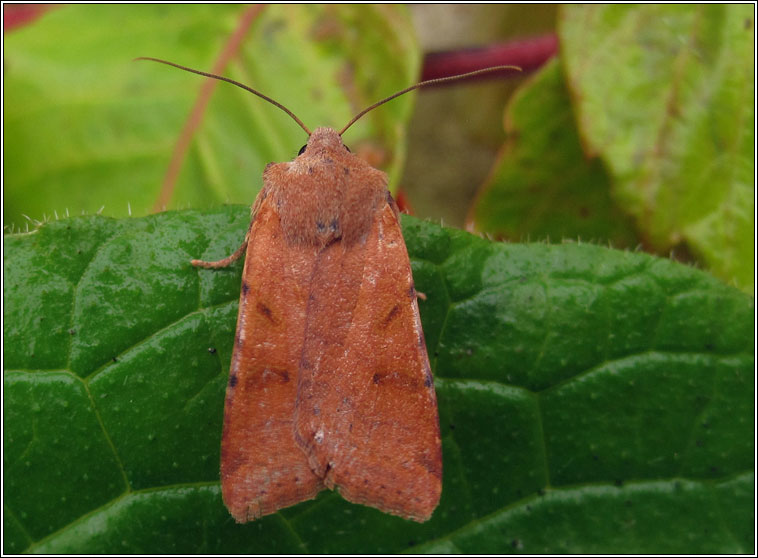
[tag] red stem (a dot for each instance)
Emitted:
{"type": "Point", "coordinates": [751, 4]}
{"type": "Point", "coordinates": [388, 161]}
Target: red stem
{"type": "Point", "coordinates": [528, 54]}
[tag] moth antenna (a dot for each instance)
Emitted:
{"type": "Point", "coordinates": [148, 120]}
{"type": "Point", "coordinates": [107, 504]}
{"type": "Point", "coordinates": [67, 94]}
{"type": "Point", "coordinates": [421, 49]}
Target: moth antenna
{"type": "Point", "coordinates": [233, 82]}
{"type": "Point", "coordinates": [423, 84]}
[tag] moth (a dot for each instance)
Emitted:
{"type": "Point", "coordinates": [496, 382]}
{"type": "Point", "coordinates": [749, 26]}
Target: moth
{"type": "Point", "coordinates": [330, 385]}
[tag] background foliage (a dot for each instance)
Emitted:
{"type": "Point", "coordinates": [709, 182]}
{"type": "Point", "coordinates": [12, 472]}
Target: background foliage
{"type": "Point", "coordinates": [591, 400]}
{"type": "Point", "coordinates": [87, 128]}
{"type": "Point", "coordinates": [641, 132]}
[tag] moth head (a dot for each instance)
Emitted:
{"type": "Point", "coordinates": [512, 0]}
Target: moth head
{"type": "Point", "coordinates": [323, 139]}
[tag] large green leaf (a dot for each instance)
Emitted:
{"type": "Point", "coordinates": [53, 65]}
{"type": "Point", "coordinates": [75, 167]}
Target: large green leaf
{"type": "Point", "coordinates": [665, 95]}
{"type": "Point", "coordinates": [591, 400]}
{"type": "Point", "coordinates": [85, 127]}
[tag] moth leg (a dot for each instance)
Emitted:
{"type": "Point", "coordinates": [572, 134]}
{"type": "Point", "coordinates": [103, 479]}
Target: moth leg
{"type": "Point", "coordinates": [222, 263]}
{"type": "Point", "coordinates": [226, 262]}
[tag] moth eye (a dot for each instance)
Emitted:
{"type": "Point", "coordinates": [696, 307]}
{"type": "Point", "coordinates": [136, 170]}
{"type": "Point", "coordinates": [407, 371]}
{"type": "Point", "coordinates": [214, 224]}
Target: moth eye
{"type": "Point", "coordinates": [348, 149]}
{"type": "Point", "coordinates": [302, 150]}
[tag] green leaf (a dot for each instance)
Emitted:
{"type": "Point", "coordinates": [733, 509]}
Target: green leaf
{"type": "Point", "coordinates": [543, 186]}
{"type": "Point", "coordinates": [87, 128]}
{"type": "Point", "coordinates": [591, 400]}
{"type": "Point", "coordinates": [665, 95]}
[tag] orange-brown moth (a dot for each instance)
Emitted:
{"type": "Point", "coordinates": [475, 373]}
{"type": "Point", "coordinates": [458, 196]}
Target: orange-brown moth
{"type": "Point", "coordinates": [330, 384]}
